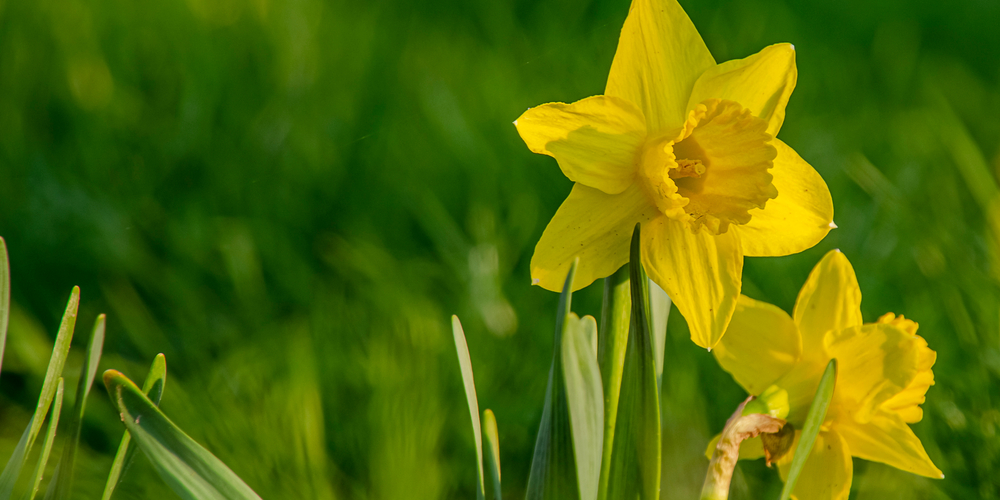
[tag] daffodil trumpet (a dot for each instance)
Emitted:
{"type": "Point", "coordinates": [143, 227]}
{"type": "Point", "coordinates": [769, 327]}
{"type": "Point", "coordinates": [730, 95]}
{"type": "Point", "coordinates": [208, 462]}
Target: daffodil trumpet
{"type": "Point", "coordinates": [688, 148]}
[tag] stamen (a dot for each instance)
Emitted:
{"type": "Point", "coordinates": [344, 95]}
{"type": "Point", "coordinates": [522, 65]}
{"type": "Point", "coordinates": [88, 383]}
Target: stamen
{"type": "Point", "coordinates": [687, 168]}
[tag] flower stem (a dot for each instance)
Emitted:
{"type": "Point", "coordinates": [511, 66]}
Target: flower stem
{"type": "Point", "coordinates": [738, 428]}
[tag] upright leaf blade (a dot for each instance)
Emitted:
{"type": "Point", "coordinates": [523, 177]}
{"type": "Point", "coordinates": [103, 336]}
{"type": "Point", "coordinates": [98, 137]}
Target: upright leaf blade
{"type": "Point", "coordinates": [659, 308]}
{"type": "Point", "coordinates": [616, 313]}
{"type": "Point", "coordinates": [43, 457]}
{"type": "Point", "coordinates": [493, 450]}
{"type": "Point", "coordinates": [49, 387]}
{"type": "Point", "coordinates": [61, 486]}
{"type": "Point", "coordinates": [635, 456]}
{"type": "Point", "coordinates": [553, 466]}
{"type": "Point", "coordinates": [585, 400]}
{"type": "Point", "coordinates": [4, 297]}
{"type": "Point", "coordinates": [465, 362]}
{"type": "Point", "coordinates": [153, 387]}
{"type": "Point", "coordinates": [188, 468]}
{"type": "Point", "coordinates": [810, 429]}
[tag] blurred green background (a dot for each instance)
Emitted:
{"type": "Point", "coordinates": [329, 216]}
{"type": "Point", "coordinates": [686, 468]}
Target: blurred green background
{"type": "Point", "coordinates": [289, 199]}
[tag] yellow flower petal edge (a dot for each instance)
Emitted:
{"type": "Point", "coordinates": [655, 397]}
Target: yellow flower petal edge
{"type": "Point", "coordinates": [594, 140]}
{"type": "Point", "coordinates": [762, 83]}
{"type": "Point", "coordinates": [687, 143]}
{"type": "Point", "coordinates": [700, 272]}
{"type": "Point", "coordinates": [801, 215]}
{"type": "Point", "coordinates": [883, 374]}
{"type": "Point", "coordinates": [886, 438]}
{"type": "Point", "coordinates": [592, 225]}
{"type": "Point", "coordinates": [761, 345]}
{"type": "Point", "coordinates": [660, 55]}
{"type": "Point", "coordinates": [830, 300]}
{"type": "Point", "coordinates": [828, 473]}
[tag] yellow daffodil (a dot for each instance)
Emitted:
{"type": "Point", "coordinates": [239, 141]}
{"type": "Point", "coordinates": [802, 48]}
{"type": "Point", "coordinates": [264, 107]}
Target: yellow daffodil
{"type": "Point", "coordinates": [687, 147]}
{"type": "Point", "coordinates": [883, 372]}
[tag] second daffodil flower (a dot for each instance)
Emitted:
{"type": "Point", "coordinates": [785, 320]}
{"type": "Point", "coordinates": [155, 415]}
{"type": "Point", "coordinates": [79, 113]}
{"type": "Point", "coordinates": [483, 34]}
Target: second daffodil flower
{"type": "Point", "coordinates": [883, 373]}
{"type": "Point", "coordinates": [688, 148]}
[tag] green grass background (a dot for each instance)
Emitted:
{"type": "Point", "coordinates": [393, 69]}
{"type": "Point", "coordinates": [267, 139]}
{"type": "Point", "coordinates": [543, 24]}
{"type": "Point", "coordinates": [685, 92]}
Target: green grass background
{"type": "Point", "coordinates": [289, 199]}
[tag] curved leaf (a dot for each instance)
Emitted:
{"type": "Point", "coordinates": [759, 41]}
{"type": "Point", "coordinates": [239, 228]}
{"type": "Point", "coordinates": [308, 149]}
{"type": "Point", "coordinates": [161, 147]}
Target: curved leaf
{"type": "Point", "coordinates": [814, 420]}
{"type": "Point", "coordinates": [465, 362]}
{"type": "Point", "coordinates": [188, 468]}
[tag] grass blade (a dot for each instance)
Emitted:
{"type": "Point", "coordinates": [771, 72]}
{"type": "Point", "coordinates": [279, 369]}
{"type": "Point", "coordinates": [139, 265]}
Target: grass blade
{"type": "Point", "coordinates": [4, 297]}
{"type": "Point", "coordinates": [50, 435]}
{"type": "Point", "coordinates": [62, 485]}
{"type": "Point", "coordinates": [465, 362]}
{"type": "Point", "coordinates": [493, 450]}
{"type": "Point", "coordinates": [553, 465]}
{"type": "Point", "coordinates": [153, 387]}
{"type": "Point", "coordinates": [188, 468]}
{"type": "Point", "coordinates": [585, 400]}
{"type": "Point", "coordinates": [635, 455]}
{"type": "Point", "coordinates": [49, 387]}
{"type": "Point", "coordinates": [814, 420]}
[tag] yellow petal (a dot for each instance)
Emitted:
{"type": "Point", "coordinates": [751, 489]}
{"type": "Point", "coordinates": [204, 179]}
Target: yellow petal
{"type": "Point", "coordinates": [827, 473]}
{"type": "Point", "coordinates": [760, 345]}
{"type": "Point", "coordinates": [592, 225]}
{"type": "Point", "coordinates": [660, 55]}
{"type": "Point", "coordinates": [761, 83]}
{"type": "Point", "coordinates": [798, 218]}
{"type": "Point", "coordinates": [596, 140]}
{"type": "Point", "coordinates": [907, 402]}
{"type": "Point", "coordinates": [750, 449]}
{"type": "Point", "coordinates": [874, 363]}
{"type": "Point", "coordinates": [830, 300]}
{"type": "Point", "coordinates": [700, 272]}
{"type": "Point", "coordinates": [887, 439]}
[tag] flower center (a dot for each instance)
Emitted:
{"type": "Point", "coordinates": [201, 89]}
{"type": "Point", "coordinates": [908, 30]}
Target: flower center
{"type": "Point", "coordinates": [713, 170]}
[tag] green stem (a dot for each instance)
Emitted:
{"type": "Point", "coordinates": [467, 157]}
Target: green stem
{"type": "Point", "coordinates": [616, 312]}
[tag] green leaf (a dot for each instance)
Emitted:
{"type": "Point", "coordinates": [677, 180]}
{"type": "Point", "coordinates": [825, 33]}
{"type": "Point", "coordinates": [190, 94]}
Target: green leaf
{"type": "Point", "coordinates": [153, 388]}
{"type": "Point", "coordinates": [43, 457]}
{"type": "Point", "coordinates": [188, 468]}
{"type": "Point", "coordinates": [635, 455]}
{"type": "Point", "coordinates": [61, 486]}
{"type": "Point", "coordinates": [814, 420]}
{"type": "Point", "coordinates": [493, 450]}
{"type": "Point", "coordinates": [49, 387]}
{"type": "Point", "coordinates": [659, 307]}
{"type": "Point", "coordinates": [553, 466]}
{"type": "Point", "coordinates": [4, 297]}
{"type": "Point", "coordinates": [465, 362]}
{"type": "Point", "coordinates": [585, 400]}
{"type": "Point", "coordinates": [616, 313]}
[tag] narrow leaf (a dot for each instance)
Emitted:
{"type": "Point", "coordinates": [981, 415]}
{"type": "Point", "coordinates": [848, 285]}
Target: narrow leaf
{"type": "Point", "coordinates": [188, 468]}
{"type": "Point", "coordinates": [62, 484]}
{"type": "Point", "coordinates": [52, 375]}
{"type": "Point", "coordinates": [814, 420]}
{"type": "Point", "coordinates": [43, 457]}
{"type": "Point", "coordinates": [4, 297]}
{"type": "Point", "coordinates": [659, 307]}
{"type": "Point", "coordinates": [635, 457]}
{"type": "Point", "coordinates": [553, 466]}
{"type": "Point", "coordinates": [465, 362]}
{"type": "Point", "coordinates": [493, 450]}
{"type": "Point", "coordinates": [616, 312]}
{"type": "Point", "coordinates": [153, 388]}
{"type": "Point", "coordinates": [585, 400]}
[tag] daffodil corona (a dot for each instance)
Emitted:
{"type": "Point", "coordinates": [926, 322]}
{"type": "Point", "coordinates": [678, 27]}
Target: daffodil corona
{"type": "Point", "coordinates": [688, 148]}
{"type": "Point", "coordinates": [884, 370]}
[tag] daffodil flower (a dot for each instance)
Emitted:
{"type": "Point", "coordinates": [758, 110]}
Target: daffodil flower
{"type": "Point", "coordinates": [883, 372]}
{"type": "Point", "coordinates": [687, 147]}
